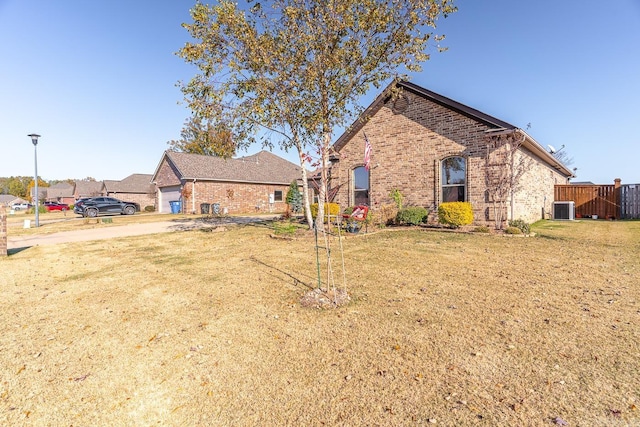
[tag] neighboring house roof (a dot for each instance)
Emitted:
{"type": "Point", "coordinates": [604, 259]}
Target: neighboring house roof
{"type": "Point", "coordinates": [582, 183]}
{"type": "Point", "coordinates": [496, 126]}
{"type": "Point", "coordinates": [136, 183]}
{"type": "Point", "coordinates": [60, 190]}
{"type": "Point", "coordinates": [89, 188]}
{"type": "Point", "coordinates": [8, 199]}
{"type": "Point", "coordinates": [263, 168]}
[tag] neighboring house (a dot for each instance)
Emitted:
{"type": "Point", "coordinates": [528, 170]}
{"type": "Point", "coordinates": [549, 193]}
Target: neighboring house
{"type": "Point", "coordinates": [8, 200]}
{"type": "Point", "coordinates": [134, 188]}
{"type": "Point", "coordinates": [250, 184]}
{"type": "Point", "coordinates": [61, 192]}
{"type": "Point", "coordinates": [434, 149]}
{"type": "Point", "coordinates": [88, 189]}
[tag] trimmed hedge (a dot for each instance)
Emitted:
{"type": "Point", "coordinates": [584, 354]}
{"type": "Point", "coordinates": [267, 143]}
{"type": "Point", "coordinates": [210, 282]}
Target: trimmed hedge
{"type": "Point", "coordinates": [332, 209]}
{"type": "Point", "coordinates": [413, 215]}
{"type": "Point", "coordinates": [455, 214]}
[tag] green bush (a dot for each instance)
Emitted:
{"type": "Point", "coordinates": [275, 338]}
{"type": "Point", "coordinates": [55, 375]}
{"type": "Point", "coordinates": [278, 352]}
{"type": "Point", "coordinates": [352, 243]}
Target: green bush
{"type": "Point", "coordinates": [455, 214]}
{"type": "Point", "coordinates": [481, 229]}
{"type": "Point", "coordinates": [332, 209]}
{"type": "Point", "coordinates": [520, 225]}
{"type": "Point", "coordinates": [413, 215]}
{"type": "Point", "coordinates": [284, 228]}
{"type": "Point", "coordinates": [149, 208]}
{"type": "Point", "coordinates": [397, 197]}
{"type": "Point", "coordinates": [512, 230]}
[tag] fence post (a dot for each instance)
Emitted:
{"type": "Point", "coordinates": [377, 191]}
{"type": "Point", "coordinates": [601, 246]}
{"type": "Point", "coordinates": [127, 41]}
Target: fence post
{"type": "Point", "coordinates": [617, 198]}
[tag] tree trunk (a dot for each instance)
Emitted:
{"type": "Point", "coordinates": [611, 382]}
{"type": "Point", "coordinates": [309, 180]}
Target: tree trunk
{"type": "Point", "coordinates": [305, 190]}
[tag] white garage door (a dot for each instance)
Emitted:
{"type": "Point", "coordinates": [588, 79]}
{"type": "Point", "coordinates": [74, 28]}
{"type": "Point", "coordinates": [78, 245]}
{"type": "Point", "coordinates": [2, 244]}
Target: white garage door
{"type": "Point", "coordinates": [168, 194]}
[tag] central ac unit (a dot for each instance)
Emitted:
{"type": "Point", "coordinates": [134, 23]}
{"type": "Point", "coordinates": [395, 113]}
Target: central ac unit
{"type": "Point", "coordinates": [564, 210]}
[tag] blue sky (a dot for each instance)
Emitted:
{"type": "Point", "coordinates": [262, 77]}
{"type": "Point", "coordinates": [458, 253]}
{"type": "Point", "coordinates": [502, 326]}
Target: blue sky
{"type": "Point", "coordinates": [97, 80]}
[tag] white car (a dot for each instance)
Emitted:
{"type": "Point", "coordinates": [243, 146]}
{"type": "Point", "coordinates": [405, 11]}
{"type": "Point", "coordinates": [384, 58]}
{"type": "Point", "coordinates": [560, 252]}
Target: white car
{"type": "Point", "coordinates": [20, 206]}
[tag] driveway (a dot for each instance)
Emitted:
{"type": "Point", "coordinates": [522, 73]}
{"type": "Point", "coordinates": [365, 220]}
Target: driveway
{"type": "Point", "coordinates": [15, 242]}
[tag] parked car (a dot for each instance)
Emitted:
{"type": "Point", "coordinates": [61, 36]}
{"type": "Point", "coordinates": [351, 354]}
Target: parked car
{"type": "Point", "coordinates": [20, 206]}
{"type": "Point", "coordinates": [94, 206]}
{"type": "Point", "coordinates": [55, 206]}
{"type": "Point", "coordinates": [77, 206]}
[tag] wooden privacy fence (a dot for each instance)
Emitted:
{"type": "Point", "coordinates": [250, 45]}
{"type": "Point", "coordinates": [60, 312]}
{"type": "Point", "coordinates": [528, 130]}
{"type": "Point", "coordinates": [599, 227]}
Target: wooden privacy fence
{"type": "Point", "coordinates": [606, 201]}
{"type": "Point", "coordinates": [630, 201]}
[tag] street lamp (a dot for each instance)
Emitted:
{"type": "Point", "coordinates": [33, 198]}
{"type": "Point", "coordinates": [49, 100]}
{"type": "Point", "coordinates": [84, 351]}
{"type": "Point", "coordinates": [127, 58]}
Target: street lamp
{"type": "Point", "coordinates": [34, 139]}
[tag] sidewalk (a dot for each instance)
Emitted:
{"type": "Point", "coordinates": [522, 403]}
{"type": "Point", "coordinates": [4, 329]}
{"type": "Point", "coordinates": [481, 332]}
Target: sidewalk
{"type": "Point", "coordinates": [15, 242]}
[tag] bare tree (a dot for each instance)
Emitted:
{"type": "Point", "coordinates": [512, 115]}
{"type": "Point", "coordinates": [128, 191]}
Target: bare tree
{"type": "Point", "coordinates": [505, 166]}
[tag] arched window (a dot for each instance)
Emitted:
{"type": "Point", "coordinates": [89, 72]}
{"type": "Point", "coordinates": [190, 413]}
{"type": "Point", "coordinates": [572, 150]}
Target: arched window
{"type": "Point", "coordinates": [454, 179]}
{"type": "Point", "coordinates": [361, 186]}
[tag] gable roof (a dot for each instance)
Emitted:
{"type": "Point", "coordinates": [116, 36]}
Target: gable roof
{"type": "Point", "coordinates": [8, 199]}
{"type": "Point", "coordinates": [496, 126]}
{"type": "Point", "coordinates": [263, 168]}
{"type": "Point", "coordinates": [59, 190]}
{"type": "Point", "coordinates": [135, 183]}
{"type": "Point", "coordinates": [89, 188]}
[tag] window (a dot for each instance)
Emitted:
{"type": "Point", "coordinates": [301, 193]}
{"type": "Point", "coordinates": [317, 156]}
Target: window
{"type": "Point", "coordinates": [361, 186]}
{"type": "Point", "coordinates": [277, 195]}
{"type": "Point", "coordinates": [454, 179]}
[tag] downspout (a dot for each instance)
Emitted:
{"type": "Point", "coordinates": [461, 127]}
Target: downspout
{"type": "Point", "coordinates": [193, 196]}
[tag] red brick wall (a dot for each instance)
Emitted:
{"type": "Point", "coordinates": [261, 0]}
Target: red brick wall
{"type": "Point", "coordinates": [167, 176]}
{"type": "Point", "coordinates": [237, 198]}
{"type": "Point", "coordinates": [408, 147]}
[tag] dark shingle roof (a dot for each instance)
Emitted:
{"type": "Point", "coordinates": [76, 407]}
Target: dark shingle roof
{"type": "Point", "coordinates": [263, 167]}
{"type": "Point", "coordinates": [61, 189]}
{"type": "Point", "coordinates": [89, 188]}
{"type": "Point", "coordinates": [136, 183]}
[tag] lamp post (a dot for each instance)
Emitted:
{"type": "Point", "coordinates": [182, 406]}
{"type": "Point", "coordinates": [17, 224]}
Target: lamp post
{"type": "Point", "coordinates": [34, 139]}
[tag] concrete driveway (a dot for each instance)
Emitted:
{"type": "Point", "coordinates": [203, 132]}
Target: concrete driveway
{"type": "Point", "coordinates": [183, 224]}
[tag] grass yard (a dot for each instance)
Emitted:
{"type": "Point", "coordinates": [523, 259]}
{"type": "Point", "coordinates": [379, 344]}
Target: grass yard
{"type": "Point", "coordinates": [205, 328]}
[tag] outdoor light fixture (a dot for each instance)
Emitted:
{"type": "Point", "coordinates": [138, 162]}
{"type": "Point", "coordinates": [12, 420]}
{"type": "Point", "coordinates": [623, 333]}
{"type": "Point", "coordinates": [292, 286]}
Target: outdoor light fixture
{"type": "Point", "coordinates": [34, 138]}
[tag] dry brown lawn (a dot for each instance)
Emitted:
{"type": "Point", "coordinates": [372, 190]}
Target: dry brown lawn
{"type": "Point", "coordinates": [206, 328]}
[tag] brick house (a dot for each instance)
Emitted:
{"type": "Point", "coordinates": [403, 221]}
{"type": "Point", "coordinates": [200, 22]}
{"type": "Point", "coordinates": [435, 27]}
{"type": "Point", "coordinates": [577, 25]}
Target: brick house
{"type": "Point", "coordinates": [256, 183]}
{"type": "Point", "coordinates": [136, 188]}
{"type": "Point", "coordinates": [434, 149]}
{"type": "Point", "coordinates": [88, 189]}
{"type": "Point", "coordinates": [62, 192]}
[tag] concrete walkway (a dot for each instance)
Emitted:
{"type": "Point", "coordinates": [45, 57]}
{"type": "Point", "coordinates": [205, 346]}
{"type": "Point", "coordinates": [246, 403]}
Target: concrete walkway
{"type": "Point", "coordinates": [16, 242]}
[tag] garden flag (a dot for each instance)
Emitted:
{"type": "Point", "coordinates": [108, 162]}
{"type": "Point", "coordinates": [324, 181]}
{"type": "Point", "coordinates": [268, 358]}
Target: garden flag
{"type": "Point", "coordinates": [367, 152]}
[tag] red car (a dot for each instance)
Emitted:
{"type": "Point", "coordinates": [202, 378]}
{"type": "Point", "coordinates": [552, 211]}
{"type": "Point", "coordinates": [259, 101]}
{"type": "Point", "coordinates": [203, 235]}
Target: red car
{"type": "Point", "coordinates": [55, 206]}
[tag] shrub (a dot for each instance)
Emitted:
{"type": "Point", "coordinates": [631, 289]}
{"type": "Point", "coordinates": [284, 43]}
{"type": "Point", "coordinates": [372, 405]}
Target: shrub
{"type": "Point", "coordinates": [413, 215]}
{"type": "Point", "coordinates": [512, 230]}
{"type": "Point", "coordinates": [455, 214]}
{"type": "Point", "coordinates": [481, 229]}
{"type": "Point", "coordinates": [397, 197]}
{"type": "Point", "coordinates": [384, 215]}
{"type": "Point", "coordinates": [149, 208]}
{"type": "Point", "coordinates": [520, 225]}
{"type": "Point", "coordinates": [330, 209]}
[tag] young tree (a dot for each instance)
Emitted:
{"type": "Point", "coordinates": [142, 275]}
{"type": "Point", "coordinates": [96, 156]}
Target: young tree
{"type": "Point", "coordinates": [505, 165]}
{"type": "Point", "coordinates": [294, 198]}
{"type": "Point", "coordinates": [297, 68]}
